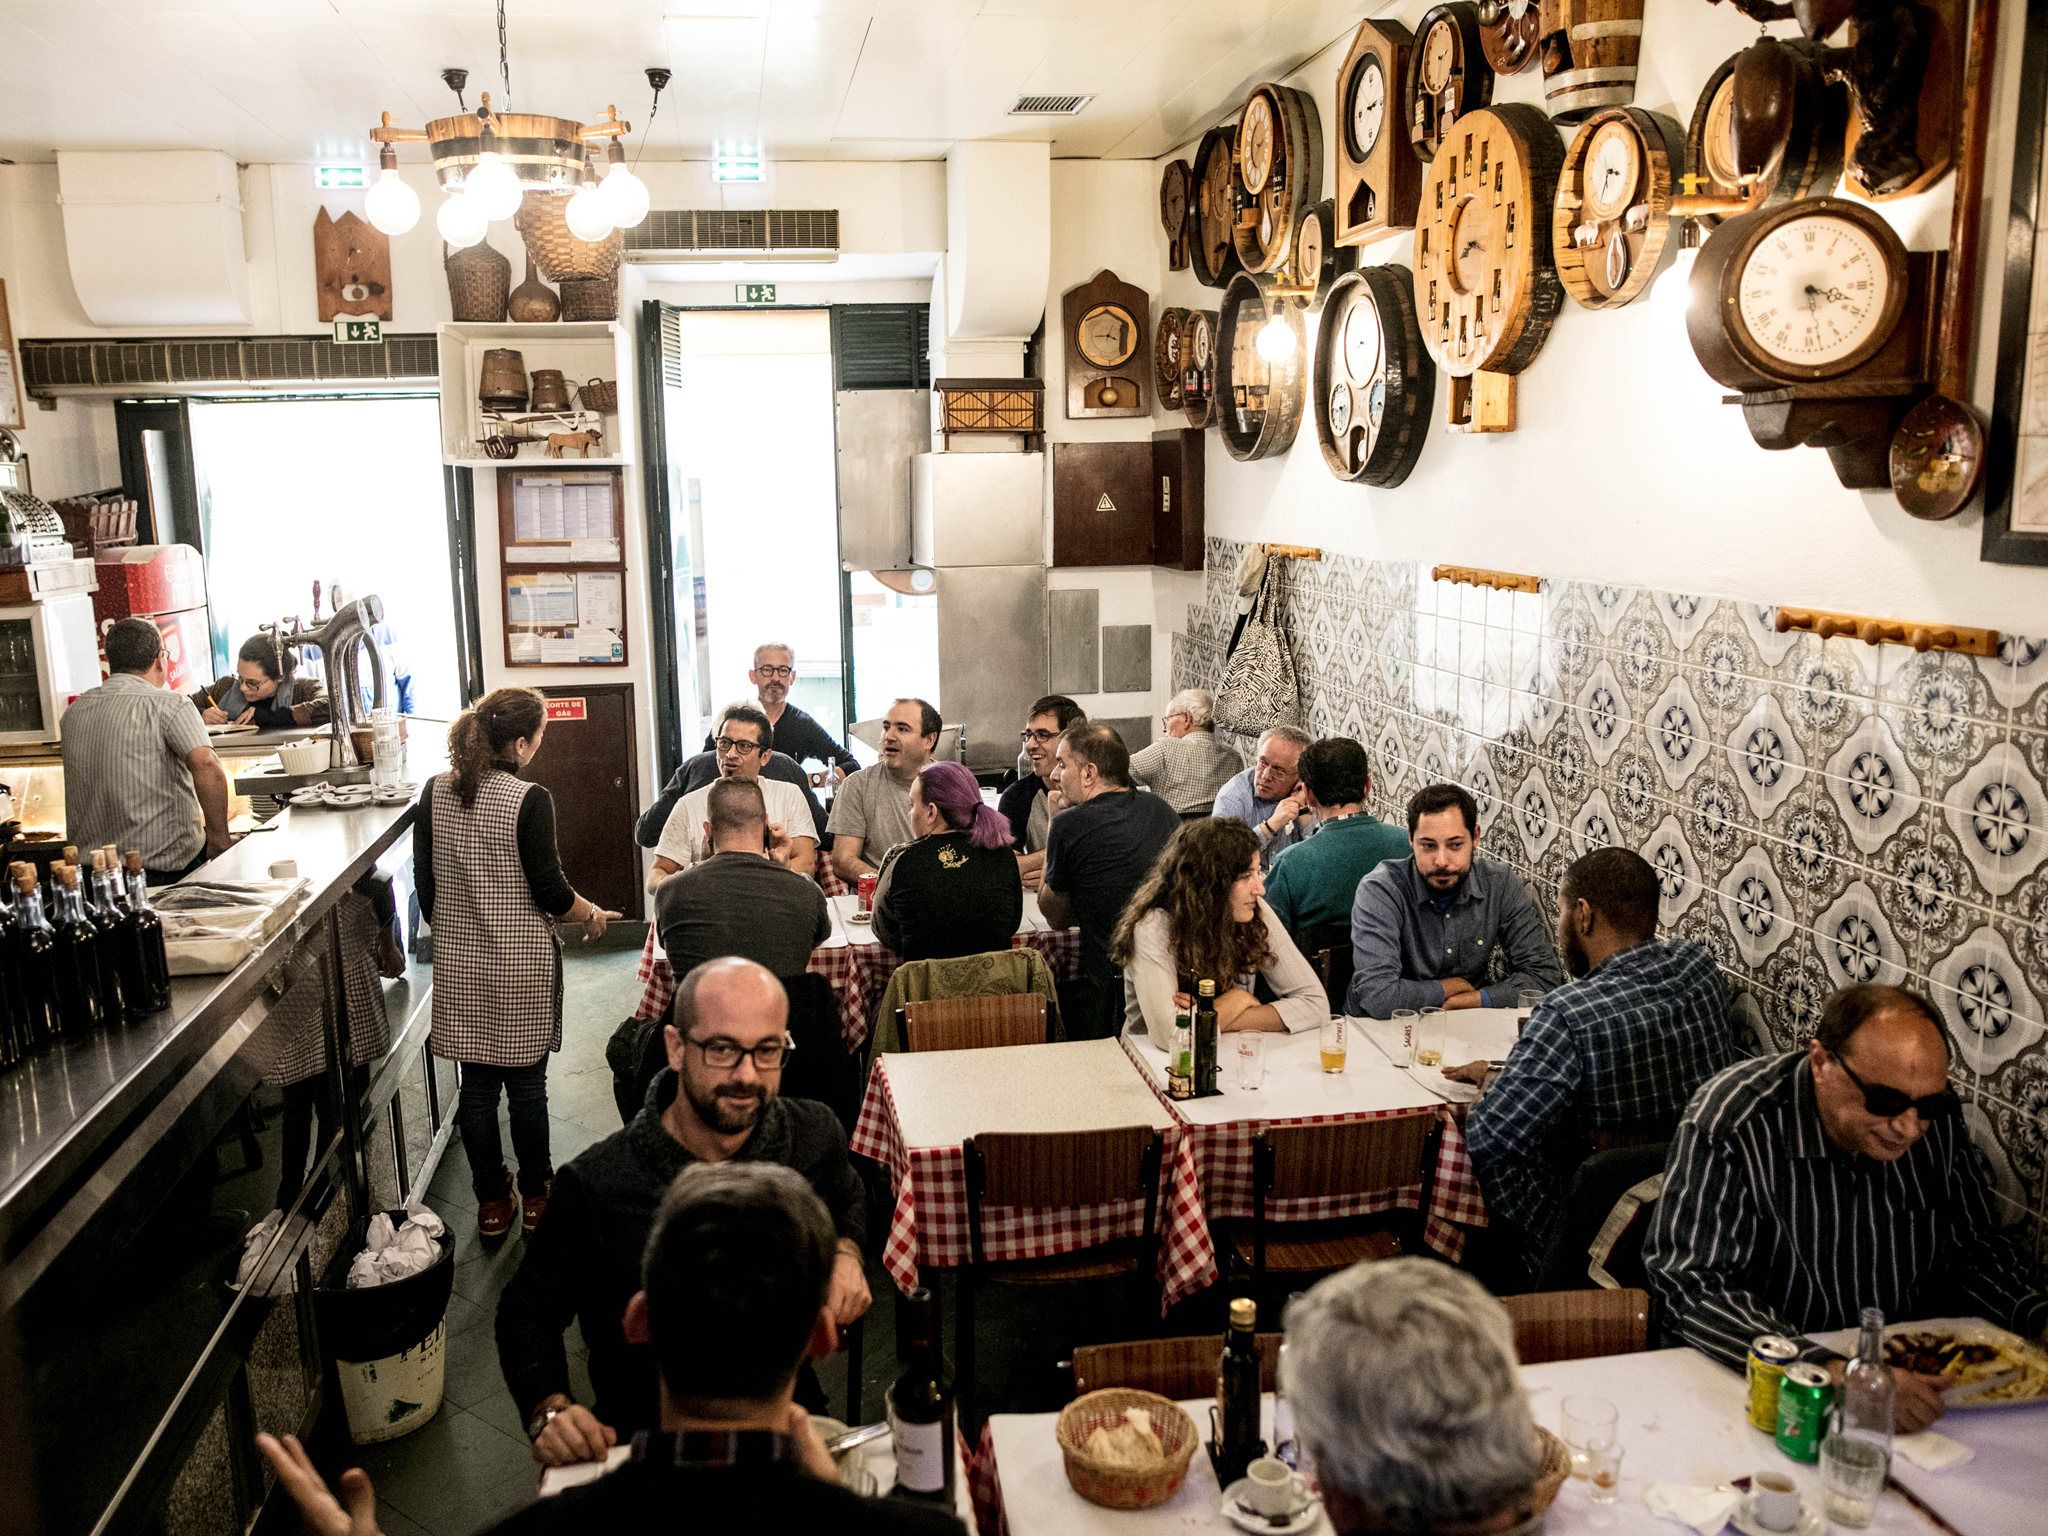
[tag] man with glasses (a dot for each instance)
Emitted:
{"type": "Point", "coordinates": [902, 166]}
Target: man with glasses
{"type": "Point", "coordinates": [1802, 1188]}
{"type": "Point", "coordinates": [702, 769]}
{"type": "Point", "coordinates": [1268, 796]}
{"type": "Point", "coordinates": [1188, 765]}
{"type": "Point", "coordinates": [871, 812]}
{"type": "Point", "coordinates": [1028, 805]}
{"type": "Point", "coordinates": [791, 732]}
{"type": "Point", "coordinates": [743, 750]}
{"type": "Point", "coordinates": [718, 1102]}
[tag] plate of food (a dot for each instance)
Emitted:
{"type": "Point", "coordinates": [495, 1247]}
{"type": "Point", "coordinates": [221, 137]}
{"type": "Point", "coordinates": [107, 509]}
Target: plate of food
{"type": "Point", "coordinates": [1991, 1368]}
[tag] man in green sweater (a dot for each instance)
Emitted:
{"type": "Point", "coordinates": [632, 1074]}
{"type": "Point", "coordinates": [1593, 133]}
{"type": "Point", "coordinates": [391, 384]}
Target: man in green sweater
{"type": "Point", "coordinates": [1312, 884]}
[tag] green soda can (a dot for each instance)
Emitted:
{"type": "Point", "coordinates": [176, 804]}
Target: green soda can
{"type": "Point", "coordinates": [1804, 1400]}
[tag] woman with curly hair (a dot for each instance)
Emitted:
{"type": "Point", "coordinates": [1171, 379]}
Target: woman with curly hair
{"type": "Point", "coordinates": [1201, 915]}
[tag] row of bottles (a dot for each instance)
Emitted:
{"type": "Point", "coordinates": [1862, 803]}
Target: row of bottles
{"type": "Point", "coordinates": [93, 955]}
{"type": "Point", "coordinates": [1195, 1067]}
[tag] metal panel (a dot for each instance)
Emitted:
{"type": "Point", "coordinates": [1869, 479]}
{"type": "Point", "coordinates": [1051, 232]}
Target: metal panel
{"type": "Point", "coordinates": [1075, 624]}
{"type": "Point", "coordinates": [1127, 658]}
{"type": "Point", "coordinates": [1136, 730]}
{"type": "Point", "coordinates": [977, 508]}
{"type": "Point", "coordinates": [991, 654]}
{"type": "Point", "coordinates": [879, 431]}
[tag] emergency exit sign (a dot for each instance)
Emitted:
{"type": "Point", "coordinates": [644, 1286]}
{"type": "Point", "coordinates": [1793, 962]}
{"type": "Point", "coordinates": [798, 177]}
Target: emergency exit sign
{"type": "Point", "coordinates": [753, 293]}
{"type": "Point", "coordinates": [352, 332]}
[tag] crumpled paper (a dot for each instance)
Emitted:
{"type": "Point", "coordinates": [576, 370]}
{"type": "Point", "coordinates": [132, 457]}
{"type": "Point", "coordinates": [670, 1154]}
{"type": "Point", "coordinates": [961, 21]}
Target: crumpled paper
{"type": "Point", "coordinates": [253, 1248]}
{"type": "Point", "coordinates": [1706, 1510]}
{"type": "Point", "coordinates": [1934, 1453]}
{"type": "Point", "coordinates": [395, 1253]}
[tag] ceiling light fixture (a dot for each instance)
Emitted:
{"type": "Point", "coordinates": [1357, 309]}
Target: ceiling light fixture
{"type": "Point", "coordinates": [392, 206]}
{"type": "Point", "coordinates": [587, 216]}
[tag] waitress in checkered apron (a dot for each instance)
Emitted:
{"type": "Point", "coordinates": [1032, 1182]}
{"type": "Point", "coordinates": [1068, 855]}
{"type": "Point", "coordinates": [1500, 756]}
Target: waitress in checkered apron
{"type": "Point", "coordinates": [490, 881]}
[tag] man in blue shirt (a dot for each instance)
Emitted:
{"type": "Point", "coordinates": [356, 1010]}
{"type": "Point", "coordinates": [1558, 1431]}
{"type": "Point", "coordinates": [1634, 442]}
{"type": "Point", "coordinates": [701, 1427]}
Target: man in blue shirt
{"type": "Point", "coordinates": [1268, 796]}
{"type": "Point", "coordinates": [1610, 1058]}
{"type": "Point", "coordinates": [1429, 930]}
{"type": "Point", "coordinates": [1311, 885]}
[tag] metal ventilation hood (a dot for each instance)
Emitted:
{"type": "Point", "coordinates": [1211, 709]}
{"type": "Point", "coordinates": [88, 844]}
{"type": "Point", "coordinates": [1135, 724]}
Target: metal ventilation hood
{"type": "Point", "coordinates": [680, 235]}
{"type": "Point", "coordinates": [240, 365]}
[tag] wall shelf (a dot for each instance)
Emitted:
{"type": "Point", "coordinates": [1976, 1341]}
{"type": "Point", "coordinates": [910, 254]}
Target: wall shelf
{"type": "Point", "coordinates": [581, 349]}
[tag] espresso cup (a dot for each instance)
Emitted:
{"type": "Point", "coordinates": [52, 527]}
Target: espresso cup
{"type": "Point", "coordinates": [1776, 1500]}
{"type": "Point", "coordinates": [1271, 1489]}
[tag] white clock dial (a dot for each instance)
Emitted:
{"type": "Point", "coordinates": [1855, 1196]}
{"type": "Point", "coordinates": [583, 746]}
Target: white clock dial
{"type": "Point", "coordinates": [1368, 106]}
{"type": "Point", "coordinates": [1611, 170]}
{"type": "Point", "coordinates": [1814, 290]}
{"type": "Point", "coordinates": [1361, 341]}
{"type": "Point", "coordinates": [1376, 403]}
{"type": "Point", "coordinates": [1340, 409]}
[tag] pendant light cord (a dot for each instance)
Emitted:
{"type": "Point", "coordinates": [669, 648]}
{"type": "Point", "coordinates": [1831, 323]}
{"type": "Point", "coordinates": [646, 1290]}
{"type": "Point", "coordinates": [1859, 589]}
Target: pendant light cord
{"type": "Point", "coordinates": [504, 68]}
{"type": "Point", "coordinates": [647, 132]}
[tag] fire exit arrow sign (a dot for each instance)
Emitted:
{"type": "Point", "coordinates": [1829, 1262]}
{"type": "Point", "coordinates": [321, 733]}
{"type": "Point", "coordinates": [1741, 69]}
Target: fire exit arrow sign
{"type": "Point", "coordinates": [753, 293]}
{"type": "Point", "coordinates": [353, 332]}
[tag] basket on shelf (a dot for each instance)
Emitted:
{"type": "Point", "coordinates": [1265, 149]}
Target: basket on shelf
{"type": "Point", "coordinates": [479, 280]}
{"type": "Point", "coordinates": [544, 225]}
{"type": "Point", "coordinates": [590, 298]}
{"type": "Point", "coordinates": [1121, 1487]}
{"type": "Point", "coordinates": [600, 395]}
{"type": "Point", "coordinates": [91, 524]}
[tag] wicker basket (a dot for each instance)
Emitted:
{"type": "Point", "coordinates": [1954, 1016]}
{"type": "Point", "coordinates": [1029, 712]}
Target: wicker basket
{"type": "Point", "coordinates": [543, 223]}
{"type": "Point", "coordinates": [479, 279]}
{"type": "Point", "coordinates": [1119, 1487]}
{"type": "Point", "coordinates": [590, 298]}
{"type": "Point", "coordinates": [1557, 1466]}
{"type": "Point", "coordinates": [600, 395]}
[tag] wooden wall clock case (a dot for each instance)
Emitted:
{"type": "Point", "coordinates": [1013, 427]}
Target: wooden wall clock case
{"type": "Point", "coordinates": [1258, 403]}
{"type": "Point", "coordinates": [1374, 386]}
{"type": "Point", "coordinates": [1448, 75]}
{"type": "Point", "coordinates": [1105, 323]}
{"type": "Point", "coordinates": [1175, 208]}
{"type": "Point", "coordinates": [1612, 218]}
{"type": "Point", "coordinates": [1279, 151]}
{"type": "Point", "coordinates": [1198, 366]}
{"type": "Point", "coordinates": [1802, 157]}
{"type": "Point", "coordinates": [1166, 359]}
{"type": "Point", "coordinates": [1212, 214]}
{"type": "Point", "coordinates": [1378, 175]}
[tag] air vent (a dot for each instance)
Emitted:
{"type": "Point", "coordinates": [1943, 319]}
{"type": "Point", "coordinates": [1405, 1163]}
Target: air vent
{"type": "Point", "coordinates": [208, 365]}
{"type": "Point", "coordinates": [1050, 106]}
{"type": "Point", "coordinates": [735, 234]}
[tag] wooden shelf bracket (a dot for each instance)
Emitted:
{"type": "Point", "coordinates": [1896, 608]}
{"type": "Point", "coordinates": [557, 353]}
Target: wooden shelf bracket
{"type": "Point", "coordinates": [1921, 637]}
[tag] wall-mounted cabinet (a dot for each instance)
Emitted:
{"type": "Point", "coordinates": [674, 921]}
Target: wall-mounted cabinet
{"type": "Point", "coordinates": [580, 351]}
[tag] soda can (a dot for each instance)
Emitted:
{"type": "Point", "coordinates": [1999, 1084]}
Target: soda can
{"type": "Point", "coordinates": [1804, 1398]}
{"type": "Point", "coordinates": [1769, 1354]}
{"type": "Point", "coordinates": [867, 892]}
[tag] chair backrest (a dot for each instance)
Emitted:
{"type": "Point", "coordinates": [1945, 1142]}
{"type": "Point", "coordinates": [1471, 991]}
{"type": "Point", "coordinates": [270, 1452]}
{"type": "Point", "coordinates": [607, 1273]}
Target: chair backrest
{"type": "Point", "coordinates": [967, 1023]}
{"type": "Point", "coordinates": [1334, 964]}
{"type": "Point", "coordinates": [1349, 1157]}
{"type": "Point", "coordinates": [821, 1067]}
{"type": "Point", "coordinates": [1174, 1368]}
{"type": "Point", "coordinates": [1597, 1186]}
{"type": "Point", "coordinates": [1577, 1325]}
{"type": "Point", "coordinates": [1055, 1169]}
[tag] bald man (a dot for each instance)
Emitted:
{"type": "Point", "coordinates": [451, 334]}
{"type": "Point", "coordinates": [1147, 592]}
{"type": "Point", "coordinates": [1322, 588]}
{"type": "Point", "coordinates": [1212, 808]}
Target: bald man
{"type": "Point", "coordinates": [1802, 1188]}
{"type": "Point", "coordinates": [718, 1102]}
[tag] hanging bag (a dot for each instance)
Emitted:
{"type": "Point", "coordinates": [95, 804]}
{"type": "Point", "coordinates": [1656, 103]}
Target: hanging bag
{"type": "Point", "coordinates": [1259, 688]}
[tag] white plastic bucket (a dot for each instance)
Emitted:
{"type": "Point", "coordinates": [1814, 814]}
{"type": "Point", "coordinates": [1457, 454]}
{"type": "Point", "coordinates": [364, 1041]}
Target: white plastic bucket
{"type": "Point", "coordinates": [387, 1398]}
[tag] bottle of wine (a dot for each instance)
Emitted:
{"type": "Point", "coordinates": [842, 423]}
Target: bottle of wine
{"type": "Point", "coordinates": [920, 1407]}
{"type": "Point", "coordinates": [78, 959]}
{"type": "Point", "coordinates": [11, 1047]}
{"type": "Point", "coordinates": [152, 992]}
{"type": "Point", "coordinates": [32, 956]}
{"type": "Point", "coordinates": [1208, 1065]}
{"type": "Point", "coordinates": [1238, 1443]}
{"type": "Point", "coordinates": [1870, 1392]}
{"type": "Point", "coordinates": [117, 888]}
{"type": "Point", "coordinates": [98, 907]}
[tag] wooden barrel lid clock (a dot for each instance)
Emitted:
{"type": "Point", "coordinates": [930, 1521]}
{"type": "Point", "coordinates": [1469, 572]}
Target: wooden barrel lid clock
{"type": "Point", "coordinates": [1448, 75]}
{"type": "Point", "coordinates": [1212, 220]}
{"type": "Point", "coordinates": [1613, 213]}
{"type": "Point", "coordinates": [1318, 260]}
{"type": "Point", "coordinates": [1280, 167]}
{"type": "Point", "coordinates": [1106, 321]}
{"type": "Point", "coordinates": [1173, 213]}
{"type": "Point", "coordinates": [1508, 33]}
{"type": "Point", "coordinates": [1373, 385]}
{"type": "Point", "coordinates": [1258, 399]}
{"type": "Point", "coordinates": [1166, 371]}
{"type": "Point", "coordinates": [1794, 127]}
{"type": "Point", "coordinates": [1198, 366]}
{"type": "Point", "coordinates": [1589, 49]}
{"type": "Point", "coordinates": [1379, 177]}
{"type": "Point", "coordinates": [1486, 289]}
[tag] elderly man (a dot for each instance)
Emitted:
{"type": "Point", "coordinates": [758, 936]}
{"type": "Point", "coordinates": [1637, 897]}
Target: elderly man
{"type": "Point", "coordinates": [1802, 1188]}
{"type": "Point", "coordinates": [1428, 930]}
{"type": "Point", "coordinates": [1268, 797]}
{"type": "Point", "coordinates": [1188, 765]}
{"type": "Point", "coordinates": [1311, 885]}
{"type": "Point", "coordinates": [742, 747]}
{"type": "Point", "coordinates": [718, 1102]}
{"type": "Point", "coordinates": [1029, 803]}
{"type": "Point", "coordinates": [1404, 1385]}
{"type": "Point", "coordinates": [793, 733]}
{"type": "Point", "coordinates": [871, 811]}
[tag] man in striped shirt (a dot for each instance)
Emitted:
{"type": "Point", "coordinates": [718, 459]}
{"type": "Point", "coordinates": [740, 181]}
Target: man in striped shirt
{"type": "Point", "coordinates": [1804, 1187]}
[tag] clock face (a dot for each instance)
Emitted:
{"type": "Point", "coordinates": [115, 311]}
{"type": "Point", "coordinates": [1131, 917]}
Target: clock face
{"type": "Point", "coordinates": [1205, 345]}
{"type": "Point", "coordinates": [1439, 55]}
{"type": "Point", "coordinates": [1107, 335]}
{"type": "Point", "coordinates": [1376, 403]}
{"type": "Point", "coordinates": [1613, 168]}
{"type": "Point", "coordinates": [1370, 373]}
{"type": "Point", "coordinates": [1255, 143]}
{"type": "Point", "coordinates": [1814, 292]}
{"type": "Point", "coordinates": [1368, 111]}
{"type": "Point", "coordinates": [1471, 246]}
{"type": "Point", "coordinates": [1340, 409]}
{"type": "Point", "coordinates": [1361, 339]}
{"type": "Point", "coordinates": [1173, 198]}
{"type": "Point", "coordinates": [1308, 248]}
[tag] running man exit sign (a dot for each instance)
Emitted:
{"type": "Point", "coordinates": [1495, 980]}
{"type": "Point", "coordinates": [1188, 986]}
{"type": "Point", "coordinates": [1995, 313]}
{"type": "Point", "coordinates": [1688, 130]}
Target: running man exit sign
{"type": "Point", "coordinates": [349, 331]}
{"type": "Point", "coordinates": [753, 293]}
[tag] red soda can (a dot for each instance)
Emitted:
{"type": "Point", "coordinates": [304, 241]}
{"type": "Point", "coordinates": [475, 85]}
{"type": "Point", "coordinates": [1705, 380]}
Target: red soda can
{"type": "Point", "coordinates": [867, 892]}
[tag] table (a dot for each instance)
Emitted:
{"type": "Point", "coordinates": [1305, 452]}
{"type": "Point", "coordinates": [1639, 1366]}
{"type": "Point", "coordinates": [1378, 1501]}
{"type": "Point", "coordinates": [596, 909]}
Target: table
{"type": "Point", "coordinates": [1296, 1091]}
{"type": "Point", "coordinates": [921, 1106]}
{"type": "Point", "coordinates": [859, 965]}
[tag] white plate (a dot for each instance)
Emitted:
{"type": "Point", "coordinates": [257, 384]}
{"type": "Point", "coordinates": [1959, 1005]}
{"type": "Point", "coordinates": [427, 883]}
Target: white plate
{"type": "Point", "coordinates": [1240, 1514]}
{"type": "Point", "coordinates": [1809, 1523]}
{"type": "Point", "coordinates": [860, 918]}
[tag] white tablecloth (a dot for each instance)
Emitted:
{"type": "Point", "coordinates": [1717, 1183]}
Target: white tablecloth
{"type": "Point", "coordinates": [943, 1097]}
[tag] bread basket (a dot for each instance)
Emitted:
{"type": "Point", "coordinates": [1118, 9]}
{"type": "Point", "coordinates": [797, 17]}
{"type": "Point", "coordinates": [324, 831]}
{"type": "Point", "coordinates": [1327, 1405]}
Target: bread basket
{"type": "Point", "coordinates": [1121, 1487]}
{"type": "Point", "coordinates": [600, 395]}
{"type": "Point", "coordinates": [1557, 1466]}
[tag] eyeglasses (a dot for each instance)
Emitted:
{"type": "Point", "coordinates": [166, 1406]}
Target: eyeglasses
{"type": "Point", "coordinates": [725, 1054]}
{"type": "Point", "coordinates": [733, 748]}
{"type": "Point", "coordinates": [1889, 1103]}
{"type": "Point", "coordinates": [776, 671]}
{"type": "Point", "coordinates": [1043, 738]}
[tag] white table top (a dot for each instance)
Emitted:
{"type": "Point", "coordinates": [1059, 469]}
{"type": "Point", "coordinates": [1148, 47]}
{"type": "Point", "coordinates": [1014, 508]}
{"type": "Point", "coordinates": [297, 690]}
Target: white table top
{"type": "Point", "coordinates": [845, 931]}
{"type": "Point", "coordinates": [943, 1097]}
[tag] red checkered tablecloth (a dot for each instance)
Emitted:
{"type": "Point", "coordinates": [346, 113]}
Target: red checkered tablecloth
{"type": "Point", "coordinates": [928, 1225]}
{"type": "Point", "coordinates": [985, 1488]}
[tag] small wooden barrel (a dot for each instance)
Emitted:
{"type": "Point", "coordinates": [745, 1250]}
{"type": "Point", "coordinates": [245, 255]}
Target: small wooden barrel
{"type": "Point", "coordinates": [1258, 403]}
{"type": "Point", "coordinates": [1590, 48]}
{"type": "Point", "coordinates": [504, 379]}
{"type": "Point", "coordinates": [550, 390]}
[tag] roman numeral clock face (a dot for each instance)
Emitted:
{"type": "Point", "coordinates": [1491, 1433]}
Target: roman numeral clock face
{"type": "Point", "coordinates": [1814, 292]}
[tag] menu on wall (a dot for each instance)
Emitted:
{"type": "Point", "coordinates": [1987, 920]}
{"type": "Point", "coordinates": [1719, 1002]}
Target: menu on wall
{"type": "Point", "coordinates": [564, 518]}
{"type": "Point", "coordinates": [565, 618]}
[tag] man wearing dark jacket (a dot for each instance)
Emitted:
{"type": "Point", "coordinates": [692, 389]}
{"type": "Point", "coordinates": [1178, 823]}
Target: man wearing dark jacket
{"type": "Point", "coordinates": [717, 1103]}
{"type": "Point", "coordinates": [702, 769]}
{"type": "Point", "coordinates": [796, 735]}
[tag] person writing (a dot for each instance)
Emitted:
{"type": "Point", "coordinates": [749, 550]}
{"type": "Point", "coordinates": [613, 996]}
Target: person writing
{"type": "Point", "coordinates": [953, 889]}
{"type": "Point", "coordinates": [871, 811]}
{"type": "Point", "coordinates": [1029, 803]}
{"type": "Point", "coordinates": [265, 690]}
{"type": "Point", "coordinates": [1201, 915]}
{"type": "Point", "coordinates": [791, 732]}
{"type": "Point", "coordinates": [742, 746]}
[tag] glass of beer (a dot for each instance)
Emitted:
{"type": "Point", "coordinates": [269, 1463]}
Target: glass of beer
{"type": "Point", "coordinates": [1333, 1043]}
{"type": "Point", "coordinates": [1429, 1038]}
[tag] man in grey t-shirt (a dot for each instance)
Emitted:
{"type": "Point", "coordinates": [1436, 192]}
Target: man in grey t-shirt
{"type": "Point", "coordinates": [871, 810]}
{"type": "Point", "coordinates": [138, 772]}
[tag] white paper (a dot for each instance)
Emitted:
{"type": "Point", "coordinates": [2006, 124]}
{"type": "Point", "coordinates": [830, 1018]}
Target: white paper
{"type": "Point", "coordinates": [592, 551]}
{"type": "Point", "coordinates": [547, 597]}
{"type": "Point", "coordinates": [599, 600]}
{"type": "Point", "coordinates": [558, 651]}
{"type": "Point", "coordinates": [599, 645]}
{"type": "Point", "coordinates": [533, 554]}
{"type": "Point", "coordinates": [525, 647]}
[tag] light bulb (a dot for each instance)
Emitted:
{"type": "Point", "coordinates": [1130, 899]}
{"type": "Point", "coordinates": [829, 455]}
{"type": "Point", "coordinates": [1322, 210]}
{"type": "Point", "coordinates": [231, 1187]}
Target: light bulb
{"type": "Point", "coordinates": [1674, 288]}
{"type": "Point", "coordinates": [587, 216]}
{"type": "Point", "coordinates": [625, 196]}
{"type": "Point", "coordinates": [494, 185]}
{"type": "Point", "coordinates": [392, 206]}
{"type": "Point", "coordinates": [460, 221]}
{"type": "Point", "coordinates": [1276, 340]}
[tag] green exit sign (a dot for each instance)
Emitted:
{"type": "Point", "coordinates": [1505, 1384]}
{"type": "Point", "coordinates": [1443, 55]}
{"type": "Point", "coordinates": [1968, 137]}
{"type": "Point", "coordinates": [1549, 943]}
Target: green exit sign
{"type": "Point", "coordinates": [753, 293]}
{"type": "Point", "coordinates": [352, 332]}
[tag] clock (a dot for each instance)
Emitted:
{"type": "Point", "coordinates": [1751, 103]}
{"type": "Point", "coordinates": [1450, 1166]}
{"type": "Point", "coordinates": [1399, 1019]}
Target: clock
{"type": "Point", "coordinates": [1448, 75]}
{"type": "Point", "coordinates": [1212, 218]}
{"type": "Point", "coordinates": [1166, 356]}
{"type": "Point", "coordinates": [1373, 384]}
{"type": "Point", "coordinates": [1280, 167]}
{"type": "Point", "coordinates": [1378, 175]}
{"type": "Point", "coordinates": [1173, 213]}
{"type": "Point", "coordinates": [1486, 289]}
{"type": "Point", "coordinates": [1258, 399]}
{"type": "Point", "coordinates": [1508, 30]}
{"type": "Point", "coordinates": [1612, 218]}
{"type": "Point", "coordinates": [1106, 321]}
{"type": "Point", "coordinates": [1318, 260]}
{"type": "Point", "coordinates": [1198, 366]}
{"type": "Point", "coordinates": [1793, 137]}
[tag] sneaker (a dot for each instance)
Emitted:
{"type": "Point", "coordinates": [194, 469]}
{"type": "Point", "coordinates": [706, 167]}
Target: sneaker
{"type": "Point", "coordinates": [494, 1217]}
{"type": "Point", "coordinates": [534, 1205]}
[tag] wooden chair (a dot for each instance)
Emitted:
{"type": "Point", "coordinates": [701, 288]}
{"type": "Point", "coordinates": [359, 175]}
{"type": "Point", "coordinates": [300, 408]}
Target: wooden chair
{"type": "Point", "coordinates": [1174, 1368]}
{"type": "Point", "coordinates": [1051, 1171]}
{"type": "Point", "coordinates": [1292, 1162]}
{"type": "Point", "coordinates": [1576, 1325]}
{"type": "Point", "coordinates": [1328, 949]}
{"type": "Point", "coordinates": [967, 1023]}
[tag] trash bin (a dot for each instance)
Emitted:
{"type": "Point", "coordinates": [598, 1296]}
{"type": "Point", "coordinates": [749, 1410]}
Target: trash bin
{"type": "Point", "coordinates": [388, 1342]}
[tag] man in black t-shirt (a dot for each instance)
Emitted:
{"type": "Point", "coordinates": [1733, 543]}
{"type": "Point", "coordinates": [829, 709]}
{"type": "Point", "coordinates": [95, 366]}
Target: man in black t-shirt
{"type": "Point", "coordinates": [1097, 853]}
{"type": "Point", "coordinates": [793, 733]}
{"type": "Point", "coordinates": [1027, 804]}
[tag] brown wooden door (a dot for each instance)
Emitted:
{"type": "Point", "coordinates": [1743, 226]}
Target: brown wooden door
{"type": "Point", "coordinates": [587, 763]}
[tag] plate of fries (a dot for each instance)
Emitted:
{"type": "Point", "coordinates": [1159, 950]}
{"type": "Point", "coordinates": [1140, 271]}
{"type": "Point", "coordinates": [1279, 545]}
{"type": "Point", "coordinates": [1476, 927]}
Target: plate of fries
{"type": "Point", "coordinates": [1990, 1368]}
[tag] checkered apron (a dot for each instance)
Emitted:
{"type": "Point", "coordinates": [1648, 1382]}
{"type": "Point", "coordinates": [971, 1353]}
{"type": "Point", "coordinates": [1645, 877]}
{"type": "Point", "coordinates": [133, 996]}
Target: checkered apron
{"type": "Point", "coordinates": [497, 956]}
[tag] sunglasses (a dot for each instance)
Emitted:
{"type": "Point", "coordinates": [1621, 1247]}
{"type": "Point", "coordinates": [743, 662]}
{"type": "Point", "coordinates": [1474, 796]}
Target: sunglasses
{"type": "Point", "coordinates": [1890, 1103]}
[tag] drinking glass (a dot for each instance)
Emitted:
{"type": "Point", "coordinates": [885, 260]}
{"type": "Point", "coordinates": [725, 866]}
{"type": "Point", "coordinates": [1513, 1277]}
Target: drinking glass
{"type": "Point", "coordinates": [1603, 1473]}
{"type": "Point", "coordinates": [1586, 1424]}
{"type": "Point", "coordinates": [1333, 1043]}
{"type": "Point", "coordinates": [1852, 1475]}
{"type": "Point", "coordinates": [1429, 1038]}
{"type": "Point", "coordinates": [1404, 1037]}
{"type": "Point", "coordinates": [1251, 1059]}
{"type": "Point", "coordinates": [1525, 1003]}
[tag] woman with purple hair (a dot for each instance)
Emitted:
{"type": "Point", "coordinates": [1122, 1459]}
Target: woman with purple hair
{"type": "Point", "coordinates": [953, 889]}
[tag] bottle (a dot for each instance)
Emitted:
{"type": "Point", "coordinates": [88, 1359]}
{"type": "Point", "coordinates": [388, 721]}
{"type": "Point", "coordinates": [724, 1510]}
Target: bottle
{"type": "Point", "coordinates": [78, 959]}
{"type": "Point", "coordinates": [920, 1407]}
{"type": "Point", "coordinates": [1208, 1067]}
{"type": "Point", "coordinates": [1870, 1393]}
{"type": "Point", "coordinates": [1180, 1069]}
{"type": "Point", "coordinates": [93, 895]}
{"type": "Point", "coordinates": [117, 888]}
{"type": "Point", "coordinates": [31, 956]}
{"type": "Point", "coordinates": [11, 1048]}
{"type": "Point", "coordinates": [1238, 1443]}
{"type": "Point", "coordinates": [152, 990]}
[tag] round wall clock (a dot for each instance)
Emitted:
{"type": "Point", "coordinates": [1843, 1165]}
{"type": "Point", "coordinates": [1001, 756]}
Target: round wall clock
{"type": "Point", "coordinates": [1212, 223]}
{"type": "Point", "coordinates": [1803, 159]}
{"type": "Point", "coordinates": [1173, 213]}
{"type": "Point", "coordinates": [1108, 335]}
{"type": "Point", "coordinates": [1448, 75]}
{"type": "Point", "coordinates": [1258, 400]}
{"type": "Point", "coordinates": [1198, 366]}
{"type": "Point", "coordinates": [1612, 217]}
{"type": "Point", "coordinates": [1166, 372]}
{"type": "Point", "coordinates": [1508, 30]}
{"type": "Point", "coordinates": [1280, 164]}
{"type": "Point", "coordinates": [1318, 260]}
{"type": "Point", "coordinates": [1373, 384]}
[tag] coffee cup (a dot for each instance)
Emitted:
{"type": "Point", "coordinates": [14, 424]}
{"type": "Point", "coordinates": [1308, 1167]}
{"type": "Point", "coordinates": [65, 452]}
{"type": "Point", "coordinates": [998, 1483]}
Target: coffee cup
{"type": "Point", "coordinates": [1776, 1499]}
{"type": "Point", "coordinates": [1271, 1488]}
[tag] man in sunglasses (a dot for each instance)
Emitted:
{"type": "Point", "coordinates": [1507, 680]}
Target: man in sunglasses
{"type": "Point", "coordinates": [1802, 1188]}
{"type": "Point", "coordinates": [718, 1102]}
{"type": "Point", "coordinates": [742, 745]}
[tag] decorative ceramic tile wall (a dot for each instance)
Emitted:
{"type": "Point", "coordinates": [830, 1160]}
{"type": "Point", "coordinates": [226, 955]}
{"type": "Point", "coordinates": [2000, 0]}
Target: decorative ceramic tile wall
{"type": "Point", "coordinates": [1819, 812]}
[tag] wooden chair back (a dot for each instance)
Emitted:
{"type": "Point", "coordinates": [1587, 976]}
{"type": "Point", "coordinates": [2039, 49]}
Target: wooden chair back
{"type": "Point", "coordinates": [1328, 948]}
{"type": "Point", "coordinates": [1579, 1325]}
{"type": "Point", "coordinates": [1177, 1369]}
{"type": "Point", "coordinates": [1055, 1170]}
{"type": "Point", "coordinates": [1352, 1156]}
{"type": "Point", "coordinates": [968, 1023]}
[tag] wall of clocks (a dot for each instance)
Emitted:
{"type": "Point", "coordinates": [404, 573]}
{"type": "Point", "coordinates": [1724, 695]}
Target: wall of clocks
{"type": "Point", "coordinates": [1613, 210]}
{"type": "Point", "coordinates": [1374, 386]}
{"type": "Point", "coordinates": [1378, 176]}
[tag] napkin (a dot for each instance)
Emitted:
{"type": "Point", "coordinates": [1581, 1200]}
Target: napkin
{"type": "Point", "coordinates": [1706, 1510]}
{"type": "Point", "coordinates": [1934, 1453]}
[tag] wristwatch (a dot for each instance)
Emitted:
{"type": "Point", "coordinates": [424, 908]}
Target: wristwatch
{"type": "Point", "coordinates": [542, 1418]}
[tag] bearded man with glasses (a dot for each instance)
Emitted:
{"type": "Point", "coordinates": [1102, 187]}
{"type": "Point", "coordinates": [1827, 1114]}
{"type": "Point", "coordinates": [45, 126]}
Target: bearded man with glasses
{"type": "Point", "coordinates": [718, 1102]}
{"type": "Point", "coordinates": [742, 745]}
{"type": "Point", "coordinates": [1802, 1188]}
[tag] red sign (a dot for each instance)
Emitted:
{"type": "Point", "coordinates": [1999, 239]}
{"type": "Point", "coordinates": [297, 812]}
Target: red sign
{"type": "Point", "coordinates": [566, 709]}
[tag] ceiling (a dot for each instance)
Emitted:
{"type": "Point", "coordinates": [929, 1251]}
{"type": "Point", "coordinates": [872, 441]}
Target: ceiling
{"type": "Point", "coordinates": [303, 80]}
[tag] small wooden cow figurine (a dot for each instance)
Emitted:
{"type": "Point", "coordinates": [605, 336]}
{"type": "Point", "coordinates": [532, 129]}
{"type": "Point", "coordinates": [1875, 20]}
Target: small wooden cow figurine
{"type": "Point", "coordinates": [582, 442]}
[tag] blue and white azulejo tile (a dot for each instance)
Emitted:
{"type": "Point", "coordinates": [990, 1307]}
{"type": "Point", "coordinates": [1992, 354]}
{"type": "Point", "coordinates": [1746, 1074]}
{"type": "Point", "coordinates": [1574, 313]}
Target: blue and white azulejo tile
{"type": "Point", "coordinates": [1856, 941]}
{"type": "Point", "coordinates": [1534, 810]}
{"type": "Point", "coordinates": [1670, 855]}
{"type": "Point", "coordinates": [1683, 615]}
{"type": "Point", "coordinates": [1755, 907]}
{"type": "Point", "coordinates": [1871, 784]}
{"type": "Point", "coordinates": [1992, 1014]}
{"type": "Point", "coordinates": [1595, 826]}
{"type": "Point", "coordinates": [1996, 811]}
{"type": "Point", "coordinates": [1677, 728]}
{"type": "Point", "coordinates": [1768, 760]}
{"type": "Point", "coordinates": [1603, 713]}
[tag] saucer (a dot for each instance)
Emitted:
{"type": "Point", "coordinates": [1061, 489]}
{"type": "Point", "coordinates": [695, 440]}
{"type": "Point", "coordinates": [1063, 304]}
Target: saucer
{"type": "Point", "coordinates": [1809, 1523]}
{"type": "Point", "coordinates": [1240, 1513]}
{"type": "Point", "coordinates": [863, 918]}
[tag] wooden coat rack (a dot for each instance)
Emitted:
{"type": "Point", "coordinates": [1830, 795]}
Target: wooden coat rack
{"type": "Point", "coordinates": [1922, 637]}
{"type": "Point", "coordinates": [1505, 581]}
